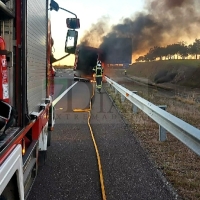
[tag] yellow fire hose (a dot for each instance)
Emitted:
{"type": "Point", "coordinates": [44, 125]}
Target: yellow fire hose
{"type": "Point", "coordinates": [95, 146]}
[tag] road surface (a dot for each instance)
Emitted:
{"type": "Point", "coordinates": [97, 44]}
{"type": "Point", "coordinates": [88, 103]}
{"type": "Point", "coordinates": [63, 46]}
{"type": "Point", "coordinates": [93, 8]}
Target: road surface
{"type": "Point", "coordinates": [71, 170]}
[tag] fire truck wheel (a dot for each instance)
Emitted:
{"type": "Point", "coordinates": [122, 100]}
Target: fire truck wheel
{"type": "Point", "coordinates": [49, 139]}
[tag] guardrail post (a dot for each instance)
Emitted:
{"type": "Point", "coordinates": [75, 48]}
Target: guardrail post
{"type": "Point", "coordinates": [122, 98]}
{"type": "Point", "coordinates": [162, 131]}
{"type": "Point", "coordinates": [135, 108]}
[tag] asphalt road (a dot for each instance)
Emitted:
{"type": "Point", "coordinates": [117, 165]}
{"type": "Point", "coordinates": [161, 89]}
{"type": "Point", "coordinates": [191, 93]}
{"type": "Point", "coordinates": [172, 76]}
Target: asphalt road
{"type": "Point", "coordinates": [71, 170]}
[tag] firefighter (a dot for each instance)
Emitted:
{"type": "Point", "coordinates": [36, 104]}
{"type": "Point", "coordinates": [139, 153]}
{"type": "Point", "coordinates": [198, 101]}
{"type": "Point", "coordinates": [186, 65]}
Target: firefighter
{"type": "Point", "coordinates": [98, 70]}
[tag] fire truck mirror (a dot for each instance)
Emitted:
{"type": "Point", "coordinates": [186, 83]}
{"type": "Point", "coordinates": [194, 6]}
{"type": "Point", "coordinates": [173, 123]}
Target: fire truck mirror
{"type": "Point", "coordinates": [71, 41]}
{"type": "Point", "coordinates": [73, 23]}
{"type": "Point", "coordinates": [54, 5]}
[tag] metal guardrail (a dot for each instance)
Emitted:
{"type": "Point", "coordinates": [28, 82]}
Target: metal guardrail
{"type": "Point", "coordinates": [186, 133]}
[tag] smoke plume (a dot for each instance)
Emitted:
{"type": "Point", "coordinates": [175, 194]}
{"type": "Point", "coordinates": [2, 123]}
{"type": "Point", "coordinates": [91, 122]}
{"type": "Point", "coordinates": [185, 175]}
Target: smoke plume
{"type": "Point", "coordinates": [162, 22]}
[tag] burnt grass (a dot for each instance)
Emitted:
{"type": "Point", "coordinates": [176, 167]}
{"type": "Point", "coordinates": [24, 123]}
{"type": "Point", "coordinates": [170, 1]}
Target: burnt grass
{"type": "Point", "coordinates": [179, 164]}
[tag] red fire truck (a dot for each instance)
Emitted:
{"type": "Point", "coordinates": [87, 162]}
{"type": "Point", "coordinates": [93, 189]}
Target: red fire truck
{"type": "Point", "coordinates": [26, 111]}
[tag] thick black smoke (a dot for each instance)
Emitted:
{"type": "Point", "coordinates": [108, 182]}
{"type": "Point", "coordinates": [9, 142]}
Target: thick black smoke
{"type": "Point", "coordinates": [116, 50]}
{"type": "Point", "coordinates": [163, 22]}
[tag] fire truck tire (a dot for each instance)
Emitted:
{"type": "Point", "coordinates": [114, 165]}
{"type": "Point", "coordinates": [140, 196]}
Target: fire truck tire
{"type": "Point", "coordinates": [49, 139]}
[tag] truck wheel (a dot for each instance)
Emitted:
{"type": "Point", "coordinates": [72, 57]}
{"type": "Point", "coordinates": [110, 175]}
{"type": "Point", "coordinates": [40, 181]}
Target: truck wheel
{"type": "Point", "coordinates": [49, 139]}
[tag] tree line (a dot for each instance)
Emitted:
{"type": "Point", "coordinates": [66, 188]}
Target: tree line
{"type": "Point", "coordinates": [172, 51]}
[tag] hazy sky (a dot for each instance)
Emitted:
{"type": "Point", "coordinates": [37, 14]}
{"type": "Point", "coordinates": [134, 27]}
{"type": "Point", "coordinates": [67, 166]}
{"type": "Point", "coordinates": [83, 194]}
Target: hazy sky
{"type": "Point", "coordinates": [148, 23]}
{"type": "Point", "coordinates": [89, 12]}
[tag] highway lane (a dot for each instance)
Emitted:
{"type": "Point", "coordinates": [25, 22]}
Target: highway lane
{"type": "Point", "coordinates": [62, 81]}
{"type": "Point", "coordinates": [71, 170]}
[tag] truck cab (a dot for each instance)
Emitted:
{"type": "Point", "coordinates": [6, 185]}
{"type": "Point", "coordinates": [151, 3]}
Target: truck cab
{"type": "Point", "coordinates": [85, 60]}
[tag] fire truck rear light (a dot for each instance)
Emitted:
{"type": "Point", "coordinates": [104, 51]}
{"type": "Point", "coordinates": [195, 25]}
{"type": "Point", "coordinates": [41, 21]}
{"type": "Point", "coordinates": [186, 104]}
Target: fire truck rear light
{"type": "Point", "coordinates": [23, 146]}
{"type": "Point", "coordinates": [23, 151]}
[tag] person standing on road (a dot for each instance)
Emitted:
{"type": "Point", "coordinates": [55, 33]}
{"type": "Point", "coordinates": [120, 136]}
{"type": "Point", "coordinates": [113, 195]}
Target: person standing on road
{"type": "Point", "coordinates": [98, 69]}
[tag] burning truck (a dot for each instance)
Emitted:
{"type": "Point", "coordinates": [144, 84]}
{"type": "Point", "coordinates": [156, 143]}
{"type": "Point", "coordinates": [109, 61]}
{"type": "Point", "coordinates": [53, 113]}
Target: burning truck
{"type": "Point", "coordinates": [116, 52]}
{"type": "Point", "coordinates": [85, 60]}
